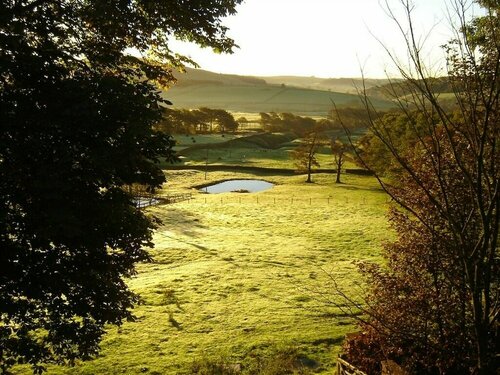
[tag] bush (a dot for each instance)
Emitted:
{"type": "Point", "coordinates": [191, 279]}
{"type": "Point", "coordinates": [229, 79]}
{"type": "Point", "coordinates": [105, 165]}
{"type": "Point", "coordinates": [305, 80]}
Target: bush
{"type": "Point", "coordinates": [268, 361]}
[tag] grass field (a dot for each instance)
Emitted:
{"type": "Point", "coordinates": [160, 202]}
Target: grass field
{"type": "Point", "coordinates": [263, 98]}
{"type": "Point", "coordinates": [235, 277]}
{"type": "Point", "coordinates": [250, 150]}
{"type": "Point", "coordinates": [248, 91]}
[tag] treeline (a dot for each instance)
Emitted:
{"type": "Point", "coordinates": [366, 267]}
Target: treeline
{"type": "Point", "coordinates": [350, 117]}
{"type": "Point", "coordinates": [207, 121]}
{"type": "Point", "coordinates": [405, 131]}
{"type": "Point", "coordinates": [398, 89]}
{"type": "Point", "coordinates": [197, 121]}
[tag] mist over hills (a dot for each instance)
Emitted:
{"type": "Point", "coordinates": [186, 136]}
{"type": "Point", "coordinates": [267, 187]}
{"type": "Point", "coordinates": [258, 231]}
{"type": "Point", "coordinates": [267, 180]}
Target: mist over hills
{"type": "Point", "coordinates": [205, 77]}
{"type": "Point", "coordinates": [301, 95]}
{"type": "Point", "coordinates": [341, 85]}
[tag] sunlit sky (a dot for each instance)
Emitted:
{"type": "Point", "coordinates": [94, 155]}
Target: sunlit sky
{"type": "Point", "coordinates": [322, 38]}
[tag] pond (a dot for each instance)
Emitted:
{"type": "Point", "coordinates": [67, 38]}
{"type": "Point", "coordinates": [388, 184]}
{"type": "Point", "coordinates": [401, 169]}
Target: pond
{"type": "Point", "coordinates": [241, 186]}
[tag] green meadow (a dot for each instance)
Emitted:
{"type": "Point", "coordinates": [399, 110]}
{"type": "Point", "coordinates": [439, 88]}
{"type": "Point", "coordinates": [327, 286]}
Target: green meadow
{"type": "Point", "coordinates": [244, 281]}
{"type": "Point", "coordinates": [247, 150]}
{"type": "Point", "coordinates": [263, 98]}
{"type": "Point", "coordinates": [300, 95]}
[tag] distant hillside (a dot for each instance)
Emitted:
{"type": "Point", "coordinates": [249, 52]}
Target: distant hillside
{"type": "Point", "coordinates": [199, 88]}
{"type": "Point", "coordinates": [344, 85]}
{"type": "Point", "coordinates": [400, 89]}
{"type": "Point", "coordinates": [204, 77]}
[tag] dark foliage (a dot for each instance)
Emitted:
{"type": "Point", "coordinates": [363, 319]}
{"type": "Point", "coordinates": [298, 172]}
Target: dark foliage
{"type": "Point", "coordinates": [197, 121]}
{"type": "Point", "coordinates": [352, 118]}
{"type": "Point", "coordinates": [418, 301]}
{"type": "Point", "coordinates": [287, 122]}
{"type": "Point", "coordinates": [76, 126]}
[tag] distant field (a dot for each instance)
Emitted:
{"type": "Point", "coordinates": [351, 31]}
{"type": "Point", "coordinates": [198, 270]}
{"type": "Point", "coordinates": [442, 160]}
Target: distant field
{"type": "Point", "coordinates": [235, 276]}
{"type": "Point", "coordinates": [250, 150]}
{"type": "Point", "coordinates": [309, 96]}
{"type": "Point", "coordinates": [262, 98]}
{"type": "Point", "coordinates": [342, 85]}
{"type": "Point", "coordinates": [345, 85]}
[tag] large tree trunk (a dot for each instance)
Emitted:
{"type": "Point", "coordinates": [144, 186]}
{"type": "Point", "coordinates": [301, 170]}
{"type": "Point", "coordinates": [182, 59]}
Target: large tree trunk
{"type": "Point", "coordinates": [309, 176]}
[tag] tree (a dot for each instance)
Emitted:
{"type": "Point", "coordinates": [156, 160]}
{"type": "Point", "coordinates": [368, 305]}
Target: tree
{"type": "Point", "coordinates": [207, 118]}
{"type": "Point", "coordinates": [305, 153]}
{"type": "Point", "coordinates": [226, 121]}
{"type": "Point", "coordinates": [219, 117]}
{"type": "Point", "coordinates": [173, 122]}
{"type": "Point", "coordinates": [242, 122]}
{"type": "Point", "coordinates": [351, 117]}
{"type": "Point", "coordinates": [435, 307]}
{"type": "Point", "coordinates": [403, 133]}
{"type": "Point", "coordinates": [288, 122]}
{"type": "Point", "coordinates": [190, 121]}
{"type": "Point", "coordinates": [339, 150]}
{"type": "Point", "coordinates": [77, 125]}
{"type": "Point", "coordinates": [417, 303]}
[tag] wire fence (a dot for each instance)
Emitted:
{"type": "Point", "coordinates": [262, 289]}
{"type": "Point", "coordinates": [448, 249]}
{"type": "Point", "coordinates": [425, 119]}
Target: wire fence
{"type": "Point", "coordinates": [266, 200]}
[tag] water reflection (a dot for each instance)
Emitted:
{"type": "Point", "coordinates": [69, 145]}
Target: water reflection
{"type": "Point", "coordinates": [247, 186]}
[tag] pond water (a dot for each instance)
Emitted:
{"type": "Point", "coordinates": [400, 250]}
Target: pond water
{"type": "Point", "coordinates": [250, 186]}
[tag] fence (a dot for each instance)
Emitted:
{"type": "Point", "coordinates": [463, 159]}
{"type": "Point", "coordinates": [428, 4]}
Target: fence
{"type": "Point", "coordinates": [174, 198]}
{"type": "Point", "coordinates": [151, 199]}
{"type": "Point", "coordinates": [345, 368]}
{"type": "Point", "coordinates": [141, 202]}
{"type": "Point", "coordinates": [289, 201]}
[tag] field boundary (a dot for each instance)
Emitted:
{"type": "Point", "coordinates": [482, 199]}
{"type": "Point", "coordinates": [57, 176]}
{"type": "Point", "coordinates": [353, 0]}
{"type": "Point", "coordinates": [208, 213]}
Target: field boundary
{"type": "Point", "coordinates": [178, 197]}
{"type": "Point", "coordinates": [262, 170]}
{"type": "Point", "coordinates": [249, 198]}
{"type": "Point", "coordinates": [143, 201]}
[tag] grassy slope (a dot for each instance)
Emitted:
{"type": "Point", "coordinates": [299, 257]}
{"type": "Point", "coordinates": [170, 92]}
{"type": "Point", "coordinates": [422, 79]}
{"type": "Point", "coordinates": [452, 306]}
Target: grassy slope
{"type": "Point", "coordinates": [270, 150]}
{"type": "Point", "coordinates": [309, 96]}
{"type": "Point", "coordinates": [200, 76]}
{"type": "Point", "coordinates": [236, 275]}
{"type": "Point", "coordinates": [342, 85]}
{"type": "Point", "coordinates": [345, 85]}
{"type": "Point", "coordinates": [262, 98]}
{"type": "Point", "coordinates": [236, 278]}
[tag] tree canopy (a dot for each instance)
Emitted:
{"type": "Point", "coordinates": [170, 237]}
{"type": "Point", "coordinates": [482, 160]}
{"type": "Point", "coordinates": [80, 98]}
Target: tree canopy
{"type": "Point", "coordinates": [202, 120]}
{"type": "Point", "coordinates": [434, 306]}
{"type": "Point", "coordinates": [77, 125]}
{"type": "Point", "coordinates": [304, 154]}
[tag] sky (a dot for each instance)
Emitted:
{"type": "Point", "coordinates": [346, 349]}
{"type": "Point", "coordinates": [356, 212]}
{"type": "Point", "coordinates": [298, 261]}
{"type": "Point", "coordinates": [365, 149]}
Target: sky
{"type": "Point", "coordinates": [321, 38]}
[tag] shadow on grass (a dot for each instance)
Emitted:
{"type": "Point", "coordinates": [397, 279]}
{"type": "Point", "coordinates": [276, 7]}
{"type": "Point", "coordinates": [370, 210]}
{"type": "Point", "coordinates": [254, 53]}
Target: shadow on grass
{"type": "Point", "coordinates": [345, 186]}
{"type": "Point", "coordinates": [179, 221]}
{"type": "Point", "coordinates": [174, 322]}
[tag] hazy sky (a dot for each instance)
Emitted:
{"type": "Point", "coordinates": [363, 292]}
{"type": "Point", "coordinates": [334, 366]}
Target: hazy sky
{"type": "Point", "coordinates": [322, 38]}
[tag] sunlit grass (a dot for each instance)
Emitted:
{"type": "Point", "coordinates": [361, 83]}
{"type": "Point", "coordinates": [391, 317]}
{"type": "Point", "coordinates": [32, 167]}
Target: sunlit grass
{"type": "Point", "coordinates": [220, 151]}
{"type": "Point", "coordinates": [235, 275]}
{"type": "Point", "coordinates": [264, 98]}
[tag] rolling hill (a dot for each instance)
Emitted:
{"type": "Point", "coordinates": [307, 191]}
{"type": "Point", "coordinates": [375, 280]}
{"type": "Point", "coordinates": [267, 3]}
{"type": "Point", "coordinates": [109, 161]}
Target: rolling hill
{"type": "Point", "coordinates": [199, 88]}
{"type": "Point", "coordinates": [343, 85]}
